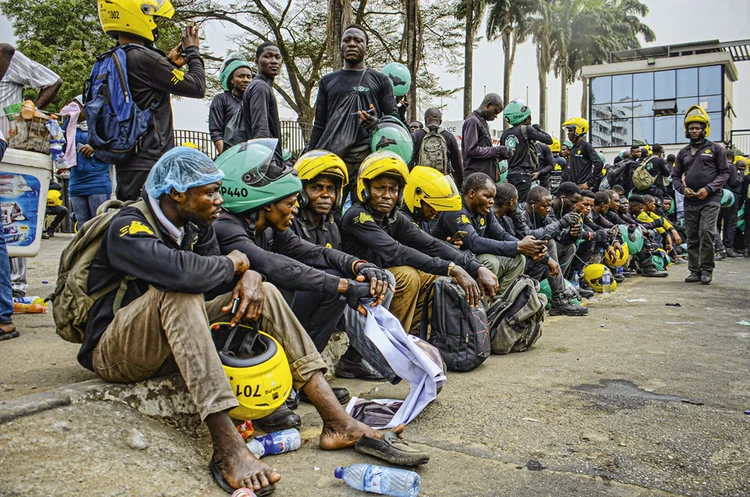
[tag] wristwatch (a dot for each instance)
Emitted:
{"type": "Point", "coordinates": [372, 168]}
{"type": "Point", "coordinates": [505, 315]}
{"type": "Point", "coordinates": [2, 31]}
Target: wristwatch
{"type": "Point", "coordinates": [450, 267]}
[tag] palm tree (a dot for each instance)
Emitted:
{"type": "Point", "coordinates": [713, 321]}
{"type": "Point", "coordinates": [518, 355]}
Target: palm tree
{"type": "Point", "coordinates": [508, 20]}
{"type": "Point", "coordinates": [473, 12]}
{"type": "Point", "coordinates": [541, 24]}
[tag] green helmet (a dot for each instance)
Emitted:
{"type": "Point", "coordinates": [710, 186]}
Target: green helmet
{"type": "Point", "coordinates": [400, 78]}
{"type": "Point", "coordinates": [502, 166]}
{"type": "Point", "coordinates": [634, 240]}
{"type": "Point", "coordinates": [286, 155]}
{"type": "Point", "coordinates": [252, 179]}
{"type": "Point", "coordinates": [393, 136]}
{"type": "Point", "coordinates": [601, 157]}
{"type": "Point", "coordinates": [741, 219]}
{"type": "Point", "coordinates": [568, 144]}
{"type": "Point", "coordinates": [516, 112]}
{"type": "Point", "coordinates": [727, 198]}
{"type": "Point", "coordinates": [570, 292]}
{"type": "Point", "coordinates": [546, 290]}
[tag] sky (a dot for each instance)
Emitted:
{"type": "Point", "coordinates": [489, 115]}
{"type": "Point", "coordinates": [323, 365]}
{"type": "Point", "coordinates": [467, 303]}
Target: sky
{"type": "Point", "coordinates": [673, 21]}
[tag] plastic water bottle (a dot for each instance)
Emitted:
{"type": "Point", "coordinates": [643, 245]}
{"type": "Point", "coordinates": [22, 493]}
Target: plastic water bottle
{"type": "Point", "coordinates": [275, 443]}
{"type": "Point", "coordinates": [380, 480]}
{"type": "Point", "coordinates": [619, 270]}
{"type": "Point", "coordinates": [243, 492]}
{"type": "Point", "coordinates": [576, 281]}
{"type": "Point", "coordinates": [606, 283]}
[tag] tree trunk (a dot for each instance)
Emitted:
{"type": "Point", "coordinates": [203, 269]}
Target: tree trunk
{"type": "Point", "coordinates": [585, 98]}
{"type": "Point", "coordinates": [340, 15]}
{"type": "Point", "coordinates": [563, 100]}
{"type": "Point", "coordinates": [507, 69]}
{"type": "Point", "coordinates": [412, 55]}
{"type": "Point", "coordinates": [542, 88]}
{"type": "Point", "coordinates": [468, 57]}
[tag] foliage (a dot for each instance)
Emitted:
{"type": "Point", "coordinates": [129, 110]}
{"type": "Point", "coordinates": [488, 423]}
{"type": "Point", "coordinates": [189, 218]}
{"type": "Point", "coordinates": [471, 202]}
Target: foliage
{"type": "Point", "coordinates": [65, 36]}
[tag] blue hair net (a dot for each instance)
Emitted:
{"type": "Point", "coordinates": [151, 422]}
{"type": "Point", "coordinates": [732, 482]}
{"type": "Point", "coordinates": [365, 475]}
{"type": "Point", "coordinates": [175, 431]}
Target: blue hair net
{"type": "Point", "coordinates": [181, 168]}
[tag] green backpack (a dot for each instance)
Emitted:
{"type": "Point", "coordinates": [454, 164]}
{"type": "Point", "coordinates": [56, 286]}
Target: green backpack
{"type": "Point", "coordinates": [515, 318]}
{"type": "Point", "coordinates": [642, 178]}
{"type": "Point", "coordinates": [71, 301]}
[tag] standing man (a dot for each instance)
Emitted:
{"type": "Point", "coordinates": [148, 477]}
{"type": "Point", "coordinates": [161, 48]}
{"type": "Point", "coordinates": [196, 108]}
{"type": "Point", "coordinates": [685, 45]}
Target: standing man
{"type": "Point", "coordinates": [441, 146]}
{"type": "Point", "coordinates": [7, 328]}
{"type": "Point", "coordinates": [16, 72]}
{"type": "Point", "coordinates": [584, 165]}
{"type": "Point", "coordinates": [355, 89]}
{"type": "Point", "coordinates": [704, 167]}
{"type": "Point", "coordinates": [259, 106]}
{"type": "Point", "coordinates": [480, 156]}
{"type": "Point", "coordinates": [523, 167]}
{"type": "Point", "coordinates": [152, 78]}
{"type": "Point", "coordinates": [727, 221]}
{"type": "Point", "coordinates": [235, 77]}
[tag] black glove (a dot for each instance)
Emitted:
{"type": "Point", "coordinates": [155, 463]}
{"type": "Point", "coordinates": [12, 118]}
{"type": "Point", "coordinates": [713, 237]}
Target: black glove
{"type": "Point", "coordinates": [537, 127]}
{"type": "Point", "coordinates": [370, 270]}
{"type": "Point", "coordinates": [356, 291]}
{"type": "Point", "coordinates": [504, 153]}
{"type": "Point", "coordinates": [601, 237]}
{"type": "Point", "coordinates": [658, 223]}
{"type": "Point", "coordinates": [569, 219]}
{"type": "Point", "coordinates": [370, 124]}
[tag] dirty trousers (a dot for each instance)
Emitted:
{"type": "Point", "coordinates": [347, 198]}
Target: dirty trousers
{"type": "Point", "coordinates": [160, 329]}
{"type": "Point", "coordinates": [411, 289]}
{"type": "Point", "coordinates": [507, 269]}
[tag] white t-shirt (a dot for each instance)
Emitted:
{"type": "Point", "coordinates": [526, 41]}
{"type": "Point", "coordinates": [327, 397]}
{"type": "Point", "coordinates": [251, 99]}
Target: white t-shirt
{"type": "Point", "coordinates": [22, 72]}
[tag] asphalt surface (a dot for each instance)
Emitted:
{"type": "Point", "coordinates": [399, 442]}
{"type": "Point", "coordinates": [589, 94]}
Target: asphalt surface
{"type": "Point", "coordinates": [637, 399]}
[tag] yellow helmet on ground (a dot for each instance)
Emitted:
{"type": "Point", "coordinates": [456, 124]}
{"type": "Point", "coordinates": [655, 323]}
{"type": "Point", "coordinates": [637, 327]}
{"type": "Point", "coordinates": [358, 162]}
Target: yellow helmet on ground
{"type": "Point", "coordinates": [135, 17]}
{"type": "Point", "coordinates": [256, 367]}
{"type": "Point", "coordinates": [696, 114]}
{"type": "Point", "coordinates": [377, 164]}
{"type": "Point", "coordinates": [555, 147]}
{"type": "Point", "coordinates": [618, 260]}
{"type": "Point", "coordinates": [436, 189]}
{"type": "Point", "coordinates": [578, 124]}
{"type": "Point", "coordinates": [593, 273]}
{"type": "Point", "coordinates": [317, 162]}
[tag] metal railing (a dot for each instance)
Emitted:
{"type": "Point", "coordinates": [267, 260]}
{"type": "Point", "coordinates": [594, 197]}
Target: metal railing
{"type": "Point", "coordinates": [294, 136]}
{"type": "Point", "coordinates": [740, 139]}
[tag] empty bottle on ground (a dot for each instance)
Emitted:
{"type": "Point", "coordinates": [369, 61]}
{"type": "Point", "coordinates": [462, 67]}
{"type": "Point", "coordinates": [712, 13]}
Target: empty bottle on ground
{"type": "Point", "coordinates": [380, 480]}
{"type": "Point", "coordinates": [275, 443]}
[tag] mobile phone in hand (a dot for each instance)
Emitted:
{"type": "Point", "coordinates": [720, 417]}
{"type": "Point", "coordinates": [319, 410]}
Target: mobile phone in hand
{"type": "Point", "coordinates": [458, 236]}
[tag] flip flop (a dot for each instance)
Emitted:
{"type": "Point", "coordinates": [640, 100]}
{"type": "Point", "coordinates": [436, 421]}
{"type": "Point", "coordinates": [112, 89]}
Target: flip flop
{"type": "Point", "coordinates": [7, 335]}
{"type": "Point", "coordinates": [391, 449]}
{"type": "Point", "coordinates": [228, 489]}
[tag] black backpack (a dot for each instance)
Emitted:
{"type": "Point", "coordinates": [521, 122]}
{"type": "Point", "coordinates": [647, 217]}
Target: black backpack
{"type": "Point", "coordinates": [235, 131]}
{"type": "Point", "coordinates": [459, 332]}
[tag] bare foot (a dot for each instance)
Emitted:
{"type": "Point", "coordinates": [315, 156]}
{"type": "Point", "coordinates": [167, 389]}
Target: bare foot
{"type": "Point", "coordinates": [342, 435]}
{"type": "Point", "coordinates": [242, 469]}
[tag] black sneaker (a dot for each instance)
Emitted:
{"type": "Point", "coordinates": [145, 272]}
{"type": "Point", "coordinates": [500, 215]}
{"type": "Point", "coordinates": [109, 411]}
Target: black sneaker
{"type": "Point", "coordinates": [706, 277]}
{"type": "Point", "coordinates": [586, 293]}
{"type": "Point", "coordinates": [281, 419]}
{"type": "Point", "coordinates": [619, 278]}
{"type": "Point", "coordinates": [654, 273]}
{"type": "Point", "coordinates": [720, 256]}
{"type": "Point", "coordinates": [693, 278]}
{"type": "Point", "coordinates": [733, 253]}
{"type": "Point", "coordinates": [361, 370]}
{"type": "Point", "coordinates": [567, 309]}
{"type": "Point", "coordinates": [342, 395]}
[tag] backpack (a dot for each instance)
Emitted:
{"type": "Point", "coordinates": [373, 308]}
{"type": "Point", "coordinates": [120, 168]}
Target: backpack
{"type": "Point", "coordinates": [515, 319]}
{"type": "Point", "coordinates": [71, 301]}
{"type": "Point", "coordinates": [458, 331]}
{"type": "Point", "coordinates": [116, 124]}
{"type": "Point", "coordinates": [235, 131]}
{"type": "Point", "coordinates": [642, 178]}
{"type": "Point", "coordinates": [434, 150]}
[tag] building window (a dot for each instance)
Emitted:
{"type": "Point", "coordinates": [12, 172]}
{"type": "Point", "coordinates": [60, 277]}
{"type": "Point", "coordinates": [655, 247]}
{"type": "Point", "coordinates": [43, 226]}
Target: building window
{"type": "Point", "coordinates": [649, 107]}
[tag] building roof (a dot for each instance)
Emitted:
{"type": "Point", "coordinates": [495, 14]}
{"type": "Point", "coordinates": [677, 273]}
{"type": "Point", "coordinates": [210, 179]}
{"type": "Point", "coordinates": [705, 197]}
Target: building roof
{"type": "Point", "coordinates": [739, 50]}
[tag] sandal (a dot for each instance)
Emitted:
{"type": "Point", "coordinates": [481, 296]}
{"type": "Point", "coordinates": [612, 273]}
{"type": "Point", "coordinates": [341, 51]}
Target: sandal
{"type": "Point", "coordinates": [391, 449]}
{"type": "Point", "coordinates": [8, 331]}
{"type": "Point", "coordinates": [228, 488]}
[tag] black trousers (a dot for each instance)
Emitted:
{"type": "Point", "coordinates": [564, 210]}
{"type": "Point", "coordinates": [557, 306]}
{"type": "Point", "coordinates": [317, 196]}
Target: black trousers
{"type": "Point", "coordinates": [522, 182]}
{"type": "Point", "coordinates": [726, 224]}
{"type": "Point", "coordinates": [700, 225]}
{"type": "Point", "coordinates": [130, 184]}
{"type": "Point", "coordinates": [60, 212]}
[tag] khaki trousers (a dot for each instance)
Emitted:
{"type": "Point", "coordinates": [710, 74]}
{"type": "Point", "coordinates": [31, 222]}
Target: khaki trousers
{"type": "Point", "coordinates": [411, 288]}
{"type": "Point", "coordinates": [161, 330]}
{"type": "Point", "coordinates": [505, 268]}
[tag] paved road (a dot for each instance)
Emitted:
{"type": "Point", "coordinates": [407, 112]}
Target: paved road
{"type": "Point", "coordinates": [637, 399]}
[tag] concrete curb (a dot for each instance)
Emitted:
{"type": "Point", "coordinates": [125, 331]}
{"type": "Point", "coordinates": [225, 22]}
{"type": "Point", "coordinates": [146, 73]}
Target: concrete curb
{"type": "Point", "coordinates": [165, 397]}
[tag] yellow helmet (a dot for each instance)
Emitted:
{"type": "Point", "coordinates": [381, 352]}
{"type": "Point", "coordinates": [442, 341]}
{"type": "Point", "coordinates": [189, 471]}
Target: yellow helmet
{"type": "Point", "coordinates": [377, 164]}
{"type": "Point", "coordinates": [135, 17]}
{"type": "Point", "coordinates": [436, 189]}
{"type": "Point", "coordinates": [696, 114]}
{"type": "Point", "coordinates": [618, 261]}
{"type": "Point", "coordinates": [317, 162]}
{"type": "Point", "coordinates": [256, 367]}
{"type": "Point", "coordinates": [555, 147]}
{"type": "Point", "coordinates": [593, 273]}
{"type": "Point", "coordinates": [580, 124]}
{"type": "Point", "coordinates": [191, 145]}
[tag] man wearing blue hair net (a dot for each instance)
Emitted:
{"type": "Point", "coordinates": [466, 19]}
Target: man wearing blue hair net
{"type": "Point", "coordinates": [177, 283]}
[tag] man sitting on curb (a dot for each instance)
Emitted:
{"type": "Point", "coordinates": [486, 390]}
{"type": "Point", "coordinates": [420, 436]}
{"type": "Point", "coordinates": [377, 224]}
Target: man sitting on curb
{"type": "Point", "coordinates": [499, 251]}
{"type": "Point", "coordinates": [162, 324]}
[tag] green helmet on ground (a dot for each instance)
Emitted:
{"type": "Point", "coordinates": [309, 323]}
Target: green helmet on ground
{"type": "Point", "coordinates": [252, 179]}
{"type": "Point", "coordinates": [727, 198]}
{"type": "Point", "coordinates": [516, 112]}
{"type": "Point", "coordinates": [570, 292]}
{"type": "Point", "coordinates": [391, 135]}
{"type": "Point", "coordinates": [399, 76]}
{"type": "Point", "coordinates": [634, 239]}
{"type": "Point", "coordinates": [546, 290]}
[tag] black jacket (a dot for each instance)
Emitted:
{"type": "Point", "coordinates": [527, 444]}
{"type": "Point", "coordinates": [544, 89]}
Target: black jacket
{"type": "Point", "coordinates": [522, 138]}
{"type": "Point", "coordinates": [584, 166]}
{"type": "Point", "coordinates": [325, 234]}
{"type": "Point", "coordinates": [485, 234]}
{"type": "Point", "coordinates": [223, 107]}
{"type": "Point", "coordinates": [398, 242]}
{"type": "Point", "coordinates": [261, 111]}
{"type": "Point", "coordinates": [479, 155]}
{"type": "Point", "coordinates": [282, 257]}
{"type": "Point", "coordinates": [131, 247]}
{"type": "Point", "coordinates": [151, 78]}
{"type": "Point", "coordinates": [703, 167]}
